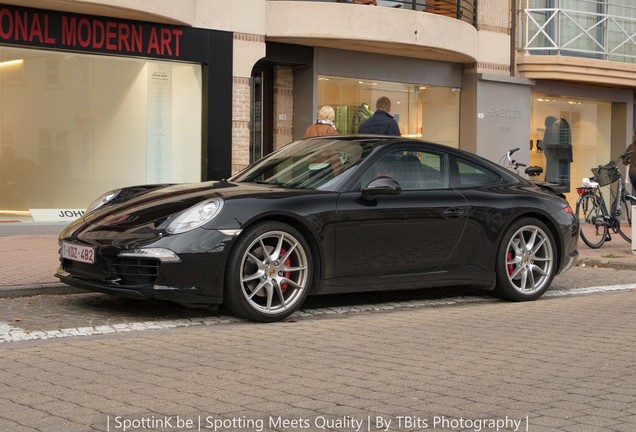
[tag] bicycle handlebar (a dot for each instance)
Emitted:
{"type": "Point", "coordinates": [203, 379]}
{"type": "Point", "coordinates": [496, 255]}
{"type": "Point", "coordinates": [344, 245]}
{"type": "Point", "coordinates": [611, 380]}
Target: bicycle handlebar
{"type": "Point", "coordinates": [510, 153]}
{"type": "Point", "coordinates": [624, 155]}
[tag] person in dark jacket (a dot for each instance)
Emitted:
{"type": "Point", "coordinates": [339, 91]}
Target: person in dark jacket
{"type": "Point", "coordinates": [382, 122]}
{"type": "Point", "coordinates": [630, 160]}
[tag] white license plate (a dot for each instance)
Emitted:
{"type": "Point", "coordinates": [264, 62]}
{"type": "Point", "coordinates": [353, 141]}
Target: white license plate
{"type": "Point", "coordinates": [85, 254]}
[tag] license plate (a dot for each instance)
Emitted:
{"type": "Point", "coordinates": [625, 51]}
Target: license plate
{"type": "Point", "coordinates": [75, 252]}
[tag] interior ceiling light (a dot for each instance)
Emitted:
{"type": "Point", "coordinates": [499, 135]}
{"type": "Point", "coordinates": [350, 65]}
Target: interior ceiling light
{"type": "Point", "coordinates": [11, 62]}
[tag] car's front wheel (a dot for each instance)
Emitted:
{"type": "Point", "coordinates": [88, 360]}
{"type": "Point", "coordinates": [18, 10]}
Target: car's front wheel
{"type": "Point", "coordinates": [526, 261]}
{"type": "Point", "coordinates": [269, 272]}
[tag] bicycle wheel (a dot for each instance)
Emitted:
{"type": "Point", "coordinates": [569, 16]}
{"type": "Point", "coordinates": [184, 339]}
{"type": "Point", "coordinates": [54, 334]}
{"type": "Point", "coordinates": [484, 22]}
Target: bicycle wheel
{"type": "Point", "coordinates": [625, 228]}
{"type": "Point", "coordinates": [590, 214]}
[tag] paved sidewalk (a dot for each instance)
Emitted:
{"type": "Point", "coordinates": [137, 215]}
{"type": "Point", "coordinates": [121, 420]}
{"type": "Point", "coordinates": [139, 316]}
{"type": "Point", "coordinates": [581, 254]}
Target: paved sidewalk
{"type": "Point", "coordinates": [27, 263]}
{"type": "Point", "coordinates": [562, 364]}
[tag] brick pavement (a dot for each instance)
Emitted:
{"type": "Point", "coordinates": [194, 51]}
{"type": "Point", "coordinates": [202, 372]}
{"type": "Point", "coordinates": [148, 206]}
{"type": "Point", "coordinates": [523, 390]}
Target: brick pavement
{"type": "Point", "coordinates": [28, 260]}
{"type": "Point", "coordinates": [564, 364]}
{"type": "Point", "coordinates": [50, 316]}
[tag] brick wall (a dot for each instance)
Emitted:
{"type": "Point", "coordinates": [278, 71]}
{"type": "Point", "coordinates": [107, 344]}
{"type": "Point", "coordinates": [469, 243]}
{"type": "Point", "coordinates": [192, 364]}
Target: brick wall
{"type": "Point", "coordinates": [240, 123]}
{"type": "Point", "coordinates": [494, 16]}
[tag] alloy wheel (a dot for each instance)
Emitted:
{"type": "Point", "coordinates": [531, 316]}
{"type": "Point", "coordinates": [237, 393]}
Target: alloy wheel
{"type": "Point", "coordinates": [529, 260]}
{"type": "Point", "coordinates": [274, 272]}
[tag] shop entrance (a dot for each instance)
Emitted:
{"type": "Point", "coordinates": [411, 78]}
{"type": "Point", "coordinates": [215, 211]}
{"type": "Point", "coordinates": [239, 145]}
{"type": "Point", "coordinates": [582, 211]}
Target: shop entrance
{"type": "Point", "coordinates": [262, 120]}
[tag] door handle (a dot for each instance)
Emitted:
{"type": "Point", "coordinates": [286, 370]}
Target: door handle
{"type": "Point", "coordinates": [454, 213]}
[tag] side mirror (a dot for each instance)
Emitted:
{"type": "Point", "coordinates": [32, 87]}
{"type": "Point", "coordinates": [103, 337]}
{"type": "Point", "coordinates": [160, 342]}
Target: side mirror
{"type": "Point", "coordinates": [381, 186]}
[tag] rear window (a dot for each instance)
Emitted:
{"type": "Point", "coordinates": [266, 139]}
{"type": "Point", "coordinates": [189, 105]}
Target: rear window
{"type": "Point", "coordinates": [471, 174]}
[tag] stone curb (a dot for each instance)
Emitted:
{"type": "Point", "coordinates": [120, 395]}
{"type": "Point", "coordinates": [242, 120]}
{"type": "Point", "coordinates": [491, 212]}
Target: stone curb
{"type": "Point", "coordinates": [618, 265]}
{"type": "Point", "coordinates": [38, 289]}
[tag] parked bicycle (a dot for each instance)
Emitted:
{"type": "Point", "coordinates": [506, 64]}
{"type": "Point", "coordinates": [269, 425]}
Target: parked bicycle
{"type": "Point", "coordinates": [592, 209]}
{"type": "Point", "coordinates": [531, 171]}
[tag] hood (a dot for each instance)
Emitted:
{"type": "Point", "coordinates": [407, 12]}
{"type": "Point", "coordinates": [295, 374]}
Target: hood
{"type": "Point", "coordinates": [152, 208]}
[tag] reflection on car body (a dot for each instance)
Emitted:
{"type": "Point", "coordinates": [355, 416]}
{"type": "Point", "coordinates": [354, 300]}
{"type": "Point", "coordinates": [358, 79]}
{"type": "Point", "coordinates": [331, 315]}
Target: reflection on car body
{"type": "Point", "coordinates": [326, 215]}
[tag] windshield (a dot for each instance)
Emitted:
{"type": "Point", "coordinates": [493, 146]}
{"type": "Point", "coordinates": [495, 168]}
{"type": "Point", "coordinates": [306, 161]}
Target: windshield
{"type": "Point", "coordinates": [307, 164]}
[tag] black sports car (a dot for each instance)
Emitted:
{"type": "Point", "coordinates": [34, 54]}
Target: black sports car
{"type": "Point", "coordinates": [325, 215]}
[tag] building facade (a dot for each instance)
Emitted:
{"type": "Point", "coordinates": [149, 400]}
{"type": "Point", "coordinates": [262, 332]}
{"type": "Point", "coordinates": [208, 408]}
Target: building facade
{"type": "Point", "coordinates": [98, 94]}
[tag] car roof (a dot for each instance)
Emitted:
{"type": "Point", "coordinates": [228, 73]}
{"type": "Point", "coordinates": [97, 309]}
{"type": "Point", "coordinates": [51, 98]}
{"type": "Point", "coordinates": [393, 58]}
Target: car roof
{"type": "Point", "coordinates": [377, 141]}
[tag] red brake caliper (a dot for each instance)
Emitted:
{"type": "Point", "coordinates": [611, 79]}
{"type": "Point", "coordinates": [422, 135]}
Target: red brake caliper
{"type": "Point", "coordinates": [287, 274]}
{"type": "Point", "coordinates": [511, 267]}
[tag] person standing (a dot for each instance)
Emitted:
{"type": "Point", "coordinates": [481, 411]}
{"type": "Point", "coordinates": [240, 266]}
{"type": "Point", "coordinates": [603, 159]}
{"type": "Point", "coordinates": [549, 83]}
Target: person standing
{"type": "Point", "coordinates": [381, 122]}
{"type": "Point", "coordinates": [630, 160]}
{"type": "Point", "coordinates": [324, 124]}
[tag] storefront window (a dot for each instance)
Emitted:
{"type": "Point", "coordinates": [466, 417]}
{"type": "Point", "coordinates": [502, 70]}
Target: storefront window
{"type": "Point", "coordinates": [75, 125]}
{"type": "Point", "coordinates": [422, 111]}
{"type": "Point", "coordinates": [568, 138]}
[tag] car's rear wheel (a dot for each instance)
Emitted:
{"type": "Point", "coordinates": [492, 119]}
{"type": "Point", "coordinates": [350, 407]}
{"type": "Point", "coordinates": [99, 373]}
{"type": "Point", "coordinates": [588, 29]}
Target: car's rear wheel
{"type": "Point", "coordinates": [526, 261]}
{"type": "Point", "coordinates": [269, 272]}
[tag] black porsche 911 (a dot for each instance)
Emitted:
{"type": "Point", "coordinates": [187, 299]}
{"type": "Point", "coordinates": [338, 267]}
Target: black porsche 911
{"type": "Point", "coordinates": [325, 215]}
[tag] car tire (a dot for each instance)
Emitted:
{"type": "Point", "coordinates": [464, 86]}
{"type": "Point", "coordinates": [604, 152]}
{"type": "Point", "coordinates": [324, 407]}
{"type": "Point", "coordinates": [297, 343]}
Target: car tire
{"type": "Point", "coordinates": [526, 261]}
{"type": "Point", "coordinates": [269, 272]}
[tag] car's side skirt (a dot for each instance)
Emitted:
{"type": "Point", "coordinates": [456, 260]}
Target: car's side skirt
{"type": "Point", "coordinates": [481, 280]}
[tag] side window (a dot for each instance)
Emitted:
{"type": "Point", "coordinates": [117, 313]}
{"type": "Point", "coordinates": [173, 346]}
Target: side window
{"type": "Point", "coordinates": [471, 174]}
{"type": "Point", "coordinates": [413, 170]}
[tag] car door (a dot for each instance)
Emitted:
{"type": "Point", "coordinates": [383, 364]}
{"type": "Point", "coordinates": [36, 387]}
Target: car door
{"type": "Point", "coordinates": [404, 235]}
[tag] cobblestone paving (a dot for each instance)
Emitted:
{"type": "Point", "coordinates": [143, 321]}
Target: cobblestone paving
{"type": "Point", "coordinates": [558, 364]}
{"type": "Point", "coordinates": [39, 317]}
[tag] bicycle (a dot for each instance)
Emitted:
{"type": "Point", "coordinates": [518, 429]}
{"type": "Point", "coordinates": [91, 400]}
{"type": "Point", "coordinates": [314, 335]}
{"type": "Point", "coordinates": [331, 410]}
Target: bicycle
{"type": "Point", "coordinates": [531, 172]}
{"type": "Point", "coordinates": [592, 209]}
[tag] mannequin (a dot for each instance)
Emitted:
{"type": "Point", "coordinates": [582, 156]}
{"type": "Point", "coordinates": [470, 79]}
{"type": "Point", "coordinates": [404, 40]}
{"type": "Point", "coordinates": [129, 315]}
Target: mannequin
{"type": "Point", "coordinates": [362, 114]}
{"type": "Point", "coordinates": [557, 147]}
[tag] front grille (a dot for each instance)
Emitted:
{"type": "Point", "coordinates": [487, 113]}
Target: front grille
{"type": "Point", "coordinates": [136, 271]}
{"type": "Point", "coordinates": [115, 270]}
{"type": "Point", "coordinates": [85, 271]}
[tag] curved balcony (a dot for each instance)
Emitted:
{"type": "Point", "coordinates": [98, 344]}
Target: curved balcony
{"type": "Point", "coordinates": [384, 30]}
{"type": "Point", "coordinates": [162, 11]}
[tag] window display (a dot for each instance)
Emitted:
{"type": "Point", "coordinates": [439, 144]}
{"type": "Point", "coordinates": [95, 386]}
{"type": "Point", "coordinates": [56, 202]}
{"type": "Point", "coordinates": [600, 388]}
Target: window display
{"type": "Point", "coordinates": [421, 111]}
{"type": "Point", "coordinates": [76, 125]}
{"type": "Point", "coordinates": [567, 137]}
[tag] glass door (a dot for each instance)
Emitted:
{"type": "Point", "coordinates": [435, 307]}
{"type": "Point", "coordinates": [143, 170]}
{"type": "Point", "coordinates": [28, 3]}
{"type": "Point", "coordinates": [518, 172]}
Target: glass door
{"type": "Point", "coordinates": [261, 121]}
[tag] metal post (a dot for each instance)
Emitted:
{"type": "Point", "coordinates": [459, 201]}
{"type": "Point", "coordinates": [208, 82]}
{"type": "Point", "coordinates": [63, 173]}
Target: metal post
{"type": "Point", "coordinates": [633, 230]}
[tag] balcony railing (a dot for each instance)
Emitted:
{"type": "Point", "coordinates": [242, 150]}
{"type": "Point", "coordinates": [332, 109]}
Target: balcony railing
{"type": "Point", "coordinates": [464, 10]}
{"type": "Point", "coordinates": [595, 29]}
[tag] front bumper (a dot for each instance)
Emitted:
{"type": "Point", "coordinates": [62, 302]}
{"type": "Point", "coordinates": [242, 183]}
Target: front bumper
{"type": "Point", "coordinates": [181, 295]}
{"type": "Point", "coordinates": [192, 273]}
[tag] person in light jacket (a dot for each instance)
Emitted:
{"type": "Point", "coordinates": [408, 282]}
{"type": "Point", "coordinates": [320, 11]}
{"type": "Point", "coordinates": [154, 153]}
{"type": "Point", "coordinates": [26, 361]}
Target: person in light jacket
{"type": "Point", "coordinates": [324, 124]}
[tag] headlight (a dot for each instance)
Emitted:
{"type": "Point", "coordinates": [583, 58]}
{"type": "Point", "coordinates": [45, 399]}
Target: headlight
{"type": "Point", "coordinates": [103, 199]}
{"type": "Point", "coordinates": [195, 216]}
